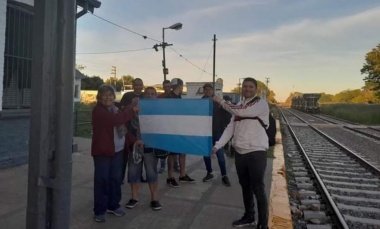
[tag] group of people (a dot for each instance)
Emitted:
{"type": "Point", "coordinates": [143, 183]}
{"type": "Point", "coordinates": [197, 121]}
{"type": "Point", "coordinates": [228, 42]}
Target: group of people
{"type": "Point", "coordinates": [117, 148]}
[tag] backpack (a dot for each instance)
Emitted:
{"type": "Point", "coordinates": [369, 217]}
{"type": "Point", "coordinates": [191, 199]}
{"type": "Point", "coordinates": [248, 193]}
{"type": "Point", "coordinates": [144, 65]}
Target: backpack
{"type": "Point", "coordinates": [271, 130]}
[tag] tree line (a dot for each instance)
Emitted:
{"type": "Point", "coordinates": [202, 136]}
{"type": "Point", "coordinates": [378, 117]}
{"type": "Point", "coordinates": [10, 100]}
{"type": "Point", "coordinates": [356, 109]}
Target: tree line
{"type": "Point", "coordinates": [93, 82]}
{"type": "Point", "coordinates": [346, 96]}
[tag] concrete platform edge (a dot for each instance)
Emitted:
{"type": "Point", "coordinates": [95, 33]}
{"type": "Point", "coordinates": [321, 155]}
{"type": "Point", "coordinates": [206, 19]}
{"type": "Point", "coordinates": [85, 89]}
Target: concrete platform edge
{"type": "Point", "coordinates": [279, 208]}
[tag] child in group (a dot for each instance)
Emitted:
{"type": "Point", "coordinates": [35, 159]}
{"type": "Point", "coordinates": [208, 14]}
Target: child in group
{"type": "Point", "coordinates": [147, 158]}
{"type": "Point", "coordinates": [108, 131]}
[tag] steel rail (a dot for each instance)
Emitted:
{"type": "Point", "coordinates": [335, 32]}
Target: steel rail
{"type": "Point", "coordinates": [335, 142]}
{"type": "Point", "coordinates": [362, 132]}
{"type": "Point", "coordinates": [330, 200]}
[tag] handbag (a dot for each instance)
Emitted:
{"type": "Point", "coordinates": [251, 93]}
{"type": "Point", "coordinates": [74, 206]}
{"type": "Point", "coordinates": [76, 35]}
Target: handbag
{"type": "Point", "coordinates": [162, 154]}
{"type": "Point", "coordinates": [137, 153]}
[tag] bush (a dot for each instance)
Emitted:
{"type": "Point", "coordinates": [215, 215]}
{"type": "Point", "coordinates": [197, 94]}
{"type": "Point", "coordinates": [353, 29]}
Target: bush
{"type": "Point", "coordinates": [366, 114]}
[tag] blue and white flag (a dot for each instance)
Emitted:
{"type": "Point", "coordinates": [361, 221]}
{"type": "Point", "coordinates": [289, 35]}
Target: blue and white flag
{"type": "Point", "coordinates": [177, 125]}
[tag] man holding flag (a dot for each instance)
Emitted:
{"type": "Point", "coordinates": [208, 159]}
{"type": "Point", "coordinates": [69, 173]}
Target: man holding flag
{"type": "Point", "coordinates": [220, 119]}
{"type": "Point", "coordinates": [251, 142]}
{"type": "Point", "coordinates": [177, 88]}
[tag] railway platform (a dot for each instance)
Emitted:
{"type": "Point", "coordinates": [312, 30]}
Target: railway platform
{"type": "Point", "coordinates": [199, 205]}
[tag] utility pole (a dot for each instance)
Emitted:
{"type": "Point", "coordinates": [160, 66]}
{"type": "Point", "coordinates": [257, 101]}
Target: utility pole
{"type": "Point", "coordinates": [240, 90]}
{"type": "Point", "coordinates": [267, 81]}
{"type": "Point", "coordinates": [80, 67]}
{"type": "Point", "coordinates": [113, 72]}
{"type": "Point", "coordinates": [213, 65]}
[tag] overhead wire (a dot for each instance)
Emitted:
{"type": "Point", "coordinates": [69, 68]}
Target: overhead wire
{"type": "Point", "coordinates": [180, 55]}
{"type": "Point", "coordinates": [131, 50]}
{"type": "Point", "coordinates": [146, 37]}
{"type": "Point", "coordinates": [122, 27]}
{"type": "Point", "coordinates": [204, 67]}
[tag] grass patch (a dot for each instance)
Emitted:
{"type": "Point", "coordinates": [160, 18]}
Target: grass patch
{"type": "Point", "coordinates": [82, 120]}
{"type": "Point", "coordinates": [366, 114]}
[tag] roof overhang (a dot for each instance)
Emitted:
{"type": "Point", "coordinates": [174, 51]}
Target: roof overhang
{"type": "Point", "coordinates": [87, 5]}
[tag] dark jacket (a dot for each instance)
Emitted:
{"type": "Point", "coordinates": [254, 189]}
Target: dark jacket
{"type": "Point", "coordinates": [173, 95]}
{"type": "Point", "coordinates": [125, 102]}
{"type": "Point", "coordinates": [220, 119]}
{"type": "Point", "coordinates": [127, 98]}
{"type": "Point", "coordinates": [103, 123]}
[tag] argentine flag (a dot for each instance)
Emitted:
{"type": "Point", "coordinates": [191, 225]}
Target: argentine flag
{"type": "Point", "coordinates": [177, 125]}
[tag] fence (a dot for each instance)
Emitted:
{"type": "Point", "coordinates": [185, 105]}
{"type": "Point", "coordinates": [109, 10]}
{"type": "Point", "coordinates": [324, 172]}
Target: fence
{"type": "Point", "coordinates": [82, 123]}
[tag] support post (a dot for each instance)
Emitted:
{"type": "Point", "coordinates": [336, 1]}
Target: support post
{"type": "Point", "coordinates": [213, 65]}
{"type": "Point", "coordinates": [163, 54]}
{"type": "Point", "coordinates": [51, 129]}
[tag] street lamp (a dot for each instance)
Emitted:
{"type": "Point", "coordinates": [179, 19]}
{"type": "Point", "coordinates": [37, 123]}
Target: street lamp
{"type": "Point", "coordinates": [176, 26]}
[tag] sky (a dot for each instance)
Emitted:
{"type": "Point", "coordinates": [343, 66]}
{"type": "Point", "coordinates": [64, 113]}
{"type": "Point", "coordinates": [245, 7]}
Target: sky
{"type": "Point", "coordinates": [305, 46]}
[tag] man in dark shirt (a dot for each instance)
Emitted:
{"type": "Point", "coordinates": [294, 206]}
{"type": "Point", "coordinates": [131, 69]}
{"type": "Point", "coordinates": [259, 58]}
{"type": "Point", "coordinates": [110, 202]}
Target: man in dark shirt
{"type": "Point", "coordinates": [220, 119]}
{"type": "Point", "coordinates": [167, 89]}
{"type": "Point", "coordinates": [177, 87]}
{"type": "Point", "coordinates": [127, 98]}
{"type": "Point", "coordinates": [126, 101]}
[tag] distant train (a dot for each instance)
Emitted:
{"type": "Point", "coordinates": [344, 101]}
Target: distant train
{"type": "Point", "coordinates": [307, 102]}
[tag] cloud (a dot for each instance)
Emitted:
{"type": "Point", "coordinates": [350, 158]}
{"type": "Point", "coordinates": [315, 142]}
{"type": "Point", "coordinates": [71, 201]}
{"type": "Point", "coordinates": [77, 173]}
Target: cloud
{"type": "Point", "coordinates": [219, 9]}
{"type": "Point", "coordinates": [322, 36]}
{"type": "Point", "coordinates": [327, 53]}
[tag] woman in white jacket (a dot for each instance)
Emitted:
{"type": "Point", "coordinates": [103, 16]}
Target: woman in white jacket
{"type": "Point", "coordinates": [250, 142]}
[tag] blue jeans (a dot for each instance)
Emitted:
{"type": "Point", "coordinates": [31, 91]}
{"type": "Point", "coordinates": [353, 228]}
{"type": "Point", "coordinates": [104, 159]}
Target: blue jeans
{"type": "Point", "coordinates": [107, 182]}
{"type": "Point", "coordinates": [219, 154]}
{"type": "Point", "coordinates": [221, 162]}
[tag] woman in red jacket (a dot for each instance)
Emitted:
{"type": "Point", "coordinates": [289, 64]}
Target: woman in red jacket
{"type": "Point", "coordinates": [108, 141]}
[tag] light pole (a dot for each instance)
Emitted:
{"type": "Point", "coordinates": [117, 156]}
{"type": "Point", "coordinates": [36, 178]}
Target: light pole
{"type": "Point", "coordinates": [176, 26]}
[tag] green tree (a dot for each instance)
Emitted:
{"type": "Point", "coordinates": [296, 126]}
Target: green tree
{"type": "Point", "coordinates": [369, 93]}
{"type": "Point", "coordinates": [236, 90]}
{"type": "Point", "coordinates": [127, 79]}
{"type": "Point", "coordinates": [288, 101]}
{"type": "Point", "coordinates": [118, 83]}
{"type": "Point", "coordinates": [91, 83]}
{"type": "Point", "coordinates": [346, 96]}
{"type": "Point", "coordinates": [326, 98]}
{"type": "Point", "coordinates": [372, 69]}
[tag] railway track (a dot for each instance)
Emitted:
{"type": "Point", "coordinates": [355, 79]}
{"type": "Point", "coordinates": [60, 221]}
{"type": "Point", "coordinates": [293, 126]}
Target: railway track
{"type": "Point", "coordinates": [332, 186]}
{"type": "Point", "coordinates": [364, 130]}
